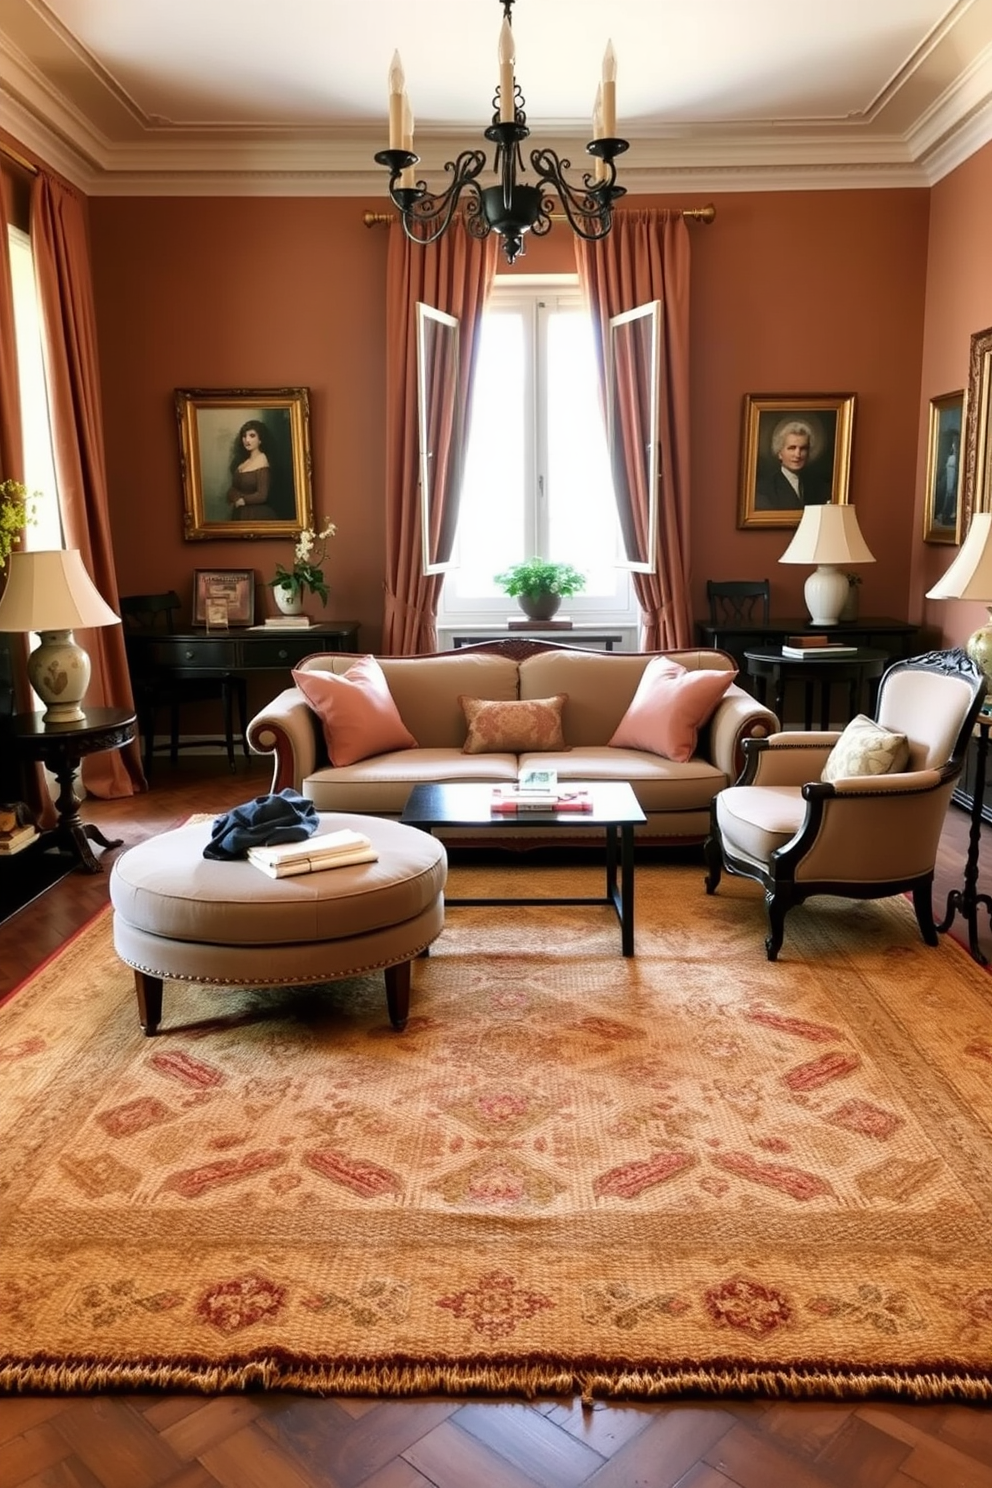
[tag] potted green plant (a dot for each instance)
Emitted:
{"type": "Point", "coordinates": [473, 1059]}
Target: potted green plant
{"type": "Point", "coordinates": [15, 511]}
{"type": "Point", "coordinates": [539, 585]}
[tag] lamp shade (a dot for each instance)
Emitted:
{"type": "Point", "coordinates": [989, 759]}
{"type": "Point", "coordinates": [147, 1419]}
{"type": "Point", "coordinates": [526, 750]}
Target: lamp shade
{"type": "Point", "coordinates": [51, 590]}
{"type": "Point", "coordinates": [828, 534]}
{"type": "Point", "coordinates": [970, 575]}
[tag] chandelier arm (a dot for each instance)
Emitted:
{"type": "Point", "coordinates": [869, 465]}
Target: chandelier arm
{"type": "Point", "coordinates": [589, 208]}
{"type": "Point", "coordinates": [427, 216]}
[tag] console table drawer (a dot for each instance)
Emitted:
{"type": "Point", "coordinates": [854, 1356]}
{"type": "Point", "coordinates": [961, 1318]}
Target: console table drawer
{"type": "Point", "coordinates": [180, 654]}
{"type": "Point", "coordinates": [283, 651]}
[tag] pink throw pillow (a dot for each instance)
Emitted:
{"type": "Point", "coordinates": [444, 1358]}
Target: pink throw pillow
{"type": "Point", "coordinates": [356, 710]}
{"type": "Point", "coordinates": [669, 707]}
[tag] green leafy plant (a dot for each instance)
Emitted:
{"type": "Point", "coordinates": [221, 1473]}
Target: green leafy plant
{"type": "Point", "coordinates": [306, 572]}
{"type": "Point", "coordinates": [538, 576]}
{"type": "Point", "coordinates": [16, 509]}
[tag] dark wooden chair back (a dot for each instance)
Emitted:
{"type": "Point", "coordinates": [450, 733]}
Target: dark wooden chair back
{"type": "Point", "coordinates": [144, 612]}
{"type": "Point", "coordinates": [738, 601]}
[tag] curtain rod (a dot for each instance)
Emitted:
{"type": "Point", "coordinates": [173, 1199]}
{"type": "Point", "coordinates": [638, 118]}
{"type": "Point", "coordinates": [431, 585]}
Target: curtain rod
{"type": "Point", "coordinates": [692, 214]}
{"type": "Point", "coordinates": [27, 165]}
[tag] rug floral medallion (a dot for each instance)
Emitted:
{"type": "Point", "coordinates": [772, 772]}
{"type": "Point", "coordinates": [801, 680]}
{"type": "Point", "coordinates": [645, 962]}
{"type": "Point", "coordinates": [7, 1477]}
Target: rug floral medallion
{"type": "Point", "coordinates": [689, 1171]}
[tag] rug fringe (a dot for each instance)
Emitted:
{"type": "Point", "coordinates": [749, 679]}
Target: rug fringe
{"type": "Point", "coordinates": [526, 1379]}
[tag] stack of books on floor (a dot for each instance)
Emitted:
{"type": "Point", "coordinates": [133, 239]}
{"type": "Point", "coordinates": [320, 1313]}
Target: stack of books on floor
{"type": "Point", "coordinates": [16, 839]}
{"type": "Point", "coordinates": [327, 850]}
{"type": "Point", "coordinates": [815, 645]}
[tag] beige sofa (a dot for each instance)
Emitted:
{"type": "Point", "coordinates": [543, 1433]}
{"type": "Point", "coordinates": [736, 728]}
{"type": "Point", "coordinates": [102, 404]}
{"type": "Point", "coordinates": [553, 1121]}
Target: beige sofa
{"type": "Point", "coordinates": [599, 687]}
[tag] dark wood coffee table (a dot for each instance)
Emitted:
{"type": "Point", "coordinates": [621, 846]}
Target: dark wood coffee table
{"type": "Point", "coordinates": [614, 809]}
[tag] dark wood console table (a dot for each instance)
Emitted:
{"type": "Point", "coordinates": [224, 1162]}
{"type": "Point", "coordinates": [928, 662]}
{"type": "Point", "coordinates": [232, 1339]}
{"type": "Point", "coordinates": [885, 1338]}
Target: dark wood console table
{"type": "Point", "coordinates": [897, 638]}
{"type": "Point", "coordinates": [225, 653]}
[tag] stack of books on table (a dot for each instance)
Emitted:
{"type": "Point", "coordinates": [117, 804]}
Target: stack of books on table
{"type": "Point", "coordinates": [329, 850]}
{"type": "Point", "coordinates": [509, 798]}
{"type": "Point", "coordinates": [815, 645]}
{"type": "Point", "coordinates": [16, 839]}
{"type": "Point", "coordinates": [285, 622]}
{"type": "Point", "coordinates": [519, 622]}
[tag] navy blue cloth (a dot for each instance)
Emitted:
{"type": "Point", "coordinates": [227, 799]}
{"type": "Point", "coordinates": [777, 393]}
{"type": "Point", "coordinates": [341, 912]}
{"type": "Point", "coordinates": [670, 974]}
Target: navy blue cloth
{"type": "Point", "coordinates": [287, 817]}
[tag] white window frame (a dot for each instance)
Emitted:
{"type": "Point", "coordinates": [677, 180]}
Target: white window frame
{"type": "Point", "coordinates": [453, 609]}
{"type": "Point", "coordinates": [45, 531]}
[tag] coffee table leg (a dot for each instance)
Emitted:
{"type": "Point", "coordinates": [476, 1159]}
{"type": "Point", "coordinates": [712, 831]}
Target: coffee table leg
{"type": "Point", "coordinates": [627, 888]}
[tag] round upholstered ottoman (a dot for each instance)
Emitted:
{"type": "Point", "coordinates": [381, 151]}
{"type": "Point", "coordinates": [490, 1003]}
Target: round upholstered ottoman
{"type": "Point", "coordinates": [180, 915]}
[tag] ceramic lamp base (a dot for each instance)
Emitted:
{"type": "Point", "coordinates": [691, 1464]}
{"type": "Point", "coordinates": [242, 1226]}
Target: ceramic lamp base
{"type": "Point", "coordinates": [825, 592]}
{"type": "Point", "coordinates": [59, 672]}
{"type": "Point", "coordinates": [979, 648]}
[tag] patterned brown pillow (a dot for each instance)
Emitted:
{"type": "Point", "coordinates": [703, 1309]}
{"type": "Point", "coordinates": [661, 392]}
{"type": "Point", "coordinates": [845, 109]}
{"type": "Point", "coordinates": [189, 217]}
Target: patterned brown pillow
{"type": "Point", "coordinates": [509, 728]}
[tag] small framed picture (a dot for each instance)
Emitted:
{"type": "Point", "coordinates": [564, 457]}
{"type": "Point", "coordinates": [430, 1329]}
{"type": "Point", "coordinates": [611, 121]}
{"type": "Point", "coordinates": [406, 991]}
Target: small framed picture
{"type": "Point", "coordinates": [223, 597]}
{"type": "Point", "coordinates": [245, 461]}
{"type": "Point", "coordinates": [795, 452]}
{"type": "Point", "coordinates": [945, 463]}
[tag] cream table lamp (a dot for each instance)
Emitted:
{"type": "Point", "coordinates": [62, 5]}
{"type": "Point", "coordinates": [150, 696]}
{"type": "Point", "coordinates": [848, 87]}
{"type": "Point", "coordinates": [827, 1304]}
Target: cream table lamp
{"type": "Point", "coordinates": [830, 537]}
{"type": "Point", "coordinates": [50, 592]}
{"type": "Point", "coordinates": [970, 577]}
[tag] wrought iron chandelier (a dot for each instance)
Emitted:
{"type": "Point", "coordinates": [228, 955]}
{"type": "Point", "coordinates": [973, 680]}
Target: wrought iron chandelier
{"type": "Point", "coordinates": [512, 207]}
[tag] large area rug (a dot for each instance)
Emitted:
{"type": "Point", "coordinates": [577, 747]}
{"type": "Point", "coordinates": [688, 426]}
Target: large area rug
{"type": "Point", "coordinates": [690, 1172]}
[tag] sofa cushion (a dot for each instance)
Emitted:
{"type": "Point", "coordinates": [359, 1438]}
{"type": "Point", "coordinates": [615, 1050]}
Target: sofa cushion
{"type": "Point", "coordinates": [669, 707]}
{"type": "Point", "coordinates": [865, 748]}
{"type": "Point", "coordinates": [356, 711]}
{"type": "Point", "coordinates": [501, 727]}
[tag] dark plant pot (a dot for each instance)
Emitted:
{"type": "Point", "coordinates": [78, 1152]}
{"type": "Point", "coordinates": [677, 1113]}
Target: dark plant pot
{"type": "Point", "coordinates": [539, 606]}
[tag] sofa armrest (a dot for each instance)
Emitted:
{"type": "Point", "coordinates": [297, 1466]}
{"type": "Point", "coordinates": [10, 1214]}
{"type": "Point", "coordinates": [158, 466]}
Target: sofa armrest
{"type": "Point", "coordinates": [288, 729]}
{"type": "Point", "coordinates": [738, 717]}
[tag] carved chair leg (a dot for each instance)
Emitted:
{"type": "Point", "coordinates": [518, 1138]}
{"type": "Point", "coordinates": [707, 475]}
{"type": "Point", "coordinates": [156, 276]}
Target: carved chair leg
{"type": "Point", "coordinates": [149, 992]}
{"type": "Point", "coordinates": [778, 906]}
{"type": "Point", "coordinates": [923, 904]}
{"type": "Point", "coordinates": [713, 853]}
{"type": "Point", "coordinates": [398, 994]}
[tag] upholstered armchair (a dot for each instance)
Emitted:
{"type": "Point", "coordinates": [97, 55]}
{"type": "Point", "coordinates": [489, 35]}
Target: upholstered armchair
{"type": "Point", "coordinates": [862, 835]}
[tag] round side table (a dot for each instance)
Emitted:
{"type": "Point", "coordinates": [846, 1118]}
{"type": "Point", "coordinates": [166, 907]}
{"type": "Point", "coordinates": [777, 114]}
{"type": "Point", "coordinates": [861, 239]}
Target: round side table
{"type": "Point", "coordinates": [61, 746]}
{"type": "Point", "coordinates": [769, 665]}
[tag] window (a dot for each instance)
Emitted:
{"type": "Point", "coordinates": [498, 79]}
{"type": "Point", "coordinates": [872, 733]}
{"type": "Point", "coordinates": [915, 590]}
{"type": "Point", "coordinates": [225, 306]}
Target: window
{"type": "Point", "coordinates": [39, 467]}
{"type": "Point", "coordinates": [537, 469]}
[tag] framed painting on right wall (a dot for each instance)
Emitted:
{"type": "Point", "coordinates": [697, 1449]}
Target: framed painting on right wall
{"type": "Point", "coordinates": [945, 464]}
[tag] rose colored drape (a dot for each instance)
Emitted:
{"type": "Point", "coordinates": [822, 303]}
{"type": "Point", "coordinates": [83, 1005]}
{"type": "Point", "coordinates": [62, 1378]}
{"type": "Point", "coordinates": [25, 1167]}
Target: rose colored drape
{"type": "Point", "coordinates": [646, 257]}
{"type": "Point", "coordinates": [454, 275]}
{"type": "Point", "coordinates": [62, 265]}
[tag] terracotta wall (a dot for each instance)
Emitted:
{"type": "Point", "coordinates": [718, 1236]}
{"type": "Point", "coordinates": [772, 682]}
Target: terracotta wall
{"type": "Point", "coordinates": [958, 303]}
{"type": "Point", "coordinates": [812, 292]}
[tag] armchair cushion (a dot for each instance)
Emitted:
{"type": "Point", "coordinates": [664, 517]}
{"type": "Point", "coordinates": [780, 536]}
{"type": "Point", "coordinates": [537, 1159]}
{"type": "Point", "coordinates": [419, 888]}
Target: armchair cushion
{"type": "Point", "coordinates": [668, 709]}
{"type": "Point", "coordinates": [356, 711]}
{"type": "Point", "coordinates": [496, 727]}
{"type": "Point", "coordinates": [865, 748]}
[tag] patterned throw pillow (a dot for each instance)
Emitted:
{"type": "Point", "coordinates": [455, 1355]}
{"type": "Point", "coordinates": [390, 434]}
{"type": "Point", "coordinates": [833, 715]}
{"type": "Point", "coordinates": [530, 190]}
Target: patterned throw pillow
{"type": "Point", "coordinates": [510, 728]}
{"type": "Point", "coordinates": [865, 748]}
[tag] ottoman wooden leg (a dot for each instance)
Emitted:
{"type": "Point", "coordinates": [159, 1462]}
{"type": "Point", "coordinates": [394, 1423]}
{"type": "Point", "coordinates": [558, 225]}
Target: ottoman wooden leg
{"type": "Point", "coordinates": [397, 994]}
{"type": "Point", "coordinates": [149, 990]}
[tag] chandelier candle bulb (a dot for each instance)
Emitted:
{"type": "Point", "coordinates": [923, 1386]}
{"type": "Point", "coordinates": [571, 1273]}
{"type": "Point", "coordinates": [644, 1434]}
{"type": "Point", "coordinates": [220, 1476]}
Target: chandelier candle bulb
{"type": "Point", "coordinates": [397, 84]}
{"type": "Point", "coordinates": [407, 177]}
{"type": "Point", "coordinates": [599, 166]}
{"type": "Point", "coordinates": [609, 89]}
{"type": "Point", "coordinates": [507, 57]}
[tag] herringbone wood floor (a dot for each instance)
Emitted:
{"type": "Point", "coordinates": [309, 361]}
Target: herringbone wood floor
{"type": "Point", "coordinates": [284, 1441]}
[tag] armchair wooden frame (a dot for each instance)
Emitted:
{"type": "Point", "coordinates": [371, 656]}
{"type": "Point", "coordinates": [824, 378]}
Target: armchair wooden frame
{"type": "Point", "coordinates": [906, 809]}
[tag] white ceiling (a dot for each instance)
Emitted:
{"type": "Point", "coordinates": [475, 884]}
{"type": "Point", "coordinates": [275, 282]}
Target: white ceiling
{"type": "Point", "coordinates": [290, 96]}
